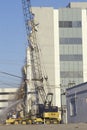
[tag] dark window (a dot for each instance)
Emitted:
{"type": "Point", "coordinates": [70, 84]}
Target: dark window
{"type": "Point", "coordinates": [71, 74]}
{"type": "Point", "coordinates": [76, 24]}
{"type": "Point", "coordinates": [65, 24]}
{"type": "Point", "coordinates": [69, 24]}
{"type": "Point", "coordinates": [70, 57]}
{"type": "Point", "coordinates": [4, 100]}
{"type": "Point", "coordinates": [7, 93]}
{"type": "Point", "coordinates": [70, 40]}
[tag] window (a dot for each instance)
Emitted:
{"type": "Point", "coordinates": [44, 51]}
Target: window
{"type": "Point", "coordinates": [70, 40]}
{"type": "Point", "coordinates": [72, 107]}
{"type": "Point", "coordinates": [71, 74]}
{"type": "Point", "coordinates": [65, 24]}
{"type": "Point", "coordinates": [76, 24]}
{"type": "Point", "coordinates": [69, 24]}
{"type": "Point", "coordinates": [70, 57]}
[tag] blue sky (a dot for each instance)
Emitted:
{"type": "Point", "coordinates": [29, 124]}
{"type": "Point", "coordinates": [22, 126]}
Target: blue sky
{"type": "Point", "coordinates": [54, 3]}
{"type": "Point", "coordinates": [13, 37]}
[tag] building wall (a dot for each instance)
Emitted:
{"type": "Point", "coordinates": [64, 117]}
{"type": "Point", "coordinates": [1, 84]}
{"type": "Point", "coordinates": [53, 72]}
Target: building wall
{"type": "Point", "coordinates": [62, 39]}
{"type": "Point", "coordinates": [46, 17]}
{"type": "Point", "coordinates": [78, 5]}
{"type": "Point", "coordinates": [77, 103]}
{"type": "Point", "coordinates": [70, 40]}
{"type": "Point", "coordinates": [6, 95]}
{"type": "Point", "coordinates": [45, 38]}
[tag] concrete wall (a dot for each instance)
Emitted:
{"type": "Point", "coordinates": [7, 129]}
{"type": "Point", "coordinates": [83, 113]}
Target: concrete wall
{"type": "Point", "coordinates": [78, 5]}
{"type": "Point", "coordinates": [47, 39]}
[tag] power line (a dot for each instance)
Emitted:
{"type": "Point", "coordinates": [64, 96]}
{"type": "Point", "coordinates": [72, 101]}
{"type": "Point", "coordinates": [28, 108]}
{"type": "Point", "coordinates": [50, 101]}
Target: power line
{"type": "Point", "coordinates": [10, 74]}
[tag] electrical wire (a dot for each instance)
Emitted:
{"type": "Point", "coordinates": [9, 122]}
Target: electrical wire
{"type": "Point", "coordinates": [6, 73]}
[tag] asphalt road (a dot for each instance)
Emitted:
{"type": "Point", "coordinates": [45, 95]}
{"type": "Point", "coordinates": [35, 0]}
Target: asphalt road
{"type": "Point", "coordinates": [80, 126]}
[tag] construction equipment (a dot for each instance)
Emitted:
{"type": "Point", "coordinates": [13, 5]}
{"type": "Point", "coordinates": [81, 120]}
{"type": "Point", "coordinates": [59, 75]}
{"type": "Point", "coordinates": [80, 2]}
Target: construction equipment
{"type": "Point", "coordinates": [38, 102]}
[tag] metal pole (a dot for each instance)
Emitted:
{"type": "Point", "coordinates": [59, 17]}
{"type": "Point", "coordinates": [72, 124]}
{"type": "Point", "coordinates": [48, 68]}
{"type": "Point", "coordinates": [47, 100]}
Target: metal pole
{"type": "Point", "coordinates": [61, 104]}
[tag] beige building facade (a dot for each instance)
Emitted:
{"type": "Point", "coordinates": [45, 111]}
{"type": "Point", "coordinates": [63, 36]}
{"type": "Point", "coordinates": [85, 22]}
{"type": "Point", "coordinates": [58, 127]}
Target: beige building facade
{"type": "Point", "coordinates": [61, 36]}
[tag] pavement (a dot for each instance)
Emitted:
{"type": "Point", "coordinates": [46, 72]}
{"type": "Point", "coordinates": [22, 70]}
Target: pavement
{"type": "Point", "coordinates": [79, 126]}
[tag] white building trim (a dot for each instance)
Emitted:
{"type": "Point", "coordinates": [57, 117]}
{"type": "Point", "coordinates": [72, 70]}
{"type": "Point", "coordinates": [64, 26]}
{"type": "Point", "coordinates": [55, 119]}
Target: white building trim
{"type": "Point", "coordinates": [84, 43]}
{"type": "Point", "coordinates": [57, 63]}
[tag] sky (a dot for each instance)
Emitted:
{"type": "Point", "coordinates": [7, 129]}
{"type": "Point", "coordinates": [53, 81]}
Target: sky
{"type": "Point", "coordinates": [13, 40]}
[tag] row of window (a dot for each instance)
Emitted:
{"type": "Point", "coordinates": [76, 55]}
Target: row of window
{"type": "Point", "coordinates": [70, 57]}
{"type": "Point", "coordinates": [71, 66]}
{"type": "Point", "coordinates": [70, 24]}
{"type": "Point", "coordinates": [70, 40]}
{"type": "Point", "coordinates": [70, 49]}
{"type": "Point", "coordinates": [4, 100]}
{"type": "Point", "coordinates": [71, 74]}
{"type": "Point", "coordinates": [7, 93]}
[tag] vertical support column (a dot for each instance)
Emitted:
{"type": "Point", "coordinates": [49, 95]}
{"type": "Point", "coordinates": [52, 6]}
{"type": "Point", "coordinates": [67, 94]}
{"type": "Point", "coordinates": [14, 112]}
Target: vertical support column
{"type": "Point", "coordinates": [29, 80]}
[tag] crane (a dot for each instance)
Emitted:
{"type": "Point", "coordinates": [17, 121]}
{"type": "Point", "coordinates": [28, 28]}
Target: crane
{"type": "Point", "coordinates": [38, 102]}
{"type": "Point", "coordinates": [34, 71]}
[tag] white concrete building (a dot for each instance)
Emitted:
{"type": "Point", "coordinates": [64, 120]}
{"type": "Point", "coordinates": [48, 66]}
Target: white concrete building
{"type": "Point", "coordinates": [6, 95]}
{"type": "Point", "coordinates": [62, 37]}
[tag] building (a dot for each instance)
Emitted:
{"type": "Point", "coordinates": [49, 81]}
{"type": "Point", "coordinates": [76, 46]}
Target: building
{"type": "Point", "coordinates": [61, 35]}
{"type": "Point", "coordinates": [77, 103]}
{"type": "Point", "coordinates": [6, 95]}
